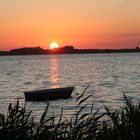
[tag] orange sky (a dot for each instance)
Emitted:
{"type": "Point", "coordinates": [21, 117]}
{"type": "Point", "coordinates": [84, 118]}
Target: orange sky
{"type": "Point", "coordinates": [81, 23]}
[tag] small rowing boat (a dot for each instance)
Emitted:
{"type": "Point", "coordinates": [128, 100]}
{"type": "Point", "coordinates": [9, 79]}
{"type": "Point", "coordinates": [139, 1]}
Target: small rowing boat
{"type": "Point", "coordinates": [49, 94]}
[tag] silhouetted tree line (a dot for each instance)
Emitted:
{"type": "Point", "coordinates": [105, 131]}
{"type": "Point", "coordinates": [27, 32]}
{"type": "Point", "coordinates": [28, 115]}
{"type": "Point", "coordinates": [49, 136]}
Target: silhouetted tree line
{"type": "Point", "coordinates": [3, 52]}
{"type": "Point", "coordinates": [63, 50]}
{"type": "Point", "coordinates": [107, 50]}
{"type": "Point", "coordinates": [39, 51]}
{"type": "Point", "coordinates": [27, 51]}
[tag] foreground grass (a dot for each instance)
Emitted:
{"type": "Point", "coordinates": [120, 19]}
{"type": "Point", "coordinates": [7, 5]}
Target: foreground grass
{"type": "Point", "coordinates": [122, 124]}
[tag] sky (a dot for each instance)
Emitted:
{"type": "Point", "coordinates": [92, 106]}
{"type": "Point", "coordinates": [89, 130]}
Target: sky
{"type": "Point", "coordinates": [97, 24]}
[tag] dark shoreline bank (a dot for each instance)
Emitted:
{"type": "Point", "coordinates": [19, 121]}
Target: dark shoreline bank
{"type": "Point", "coordinates": [64, 50]}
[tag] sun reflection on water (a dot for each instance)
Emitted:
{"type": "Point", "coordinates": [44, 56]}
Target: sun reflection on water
{"type": "Point", "coordinates": [54, 72]}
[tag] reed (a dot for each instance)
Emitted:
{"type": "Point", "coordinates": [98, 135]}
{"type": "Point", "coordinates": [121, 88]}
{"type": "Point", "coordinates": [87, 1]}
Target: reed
{"type": "Point", "coordinates": [121, 124]}
{"type": "Point", "coordinates": [17, 124]}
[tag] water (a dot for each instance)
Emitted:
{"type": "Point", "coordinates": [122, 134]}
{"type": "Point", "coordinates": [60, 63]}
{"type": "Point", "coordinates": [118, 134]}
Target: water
{"type": "Point", "coordinates": [109, 76]}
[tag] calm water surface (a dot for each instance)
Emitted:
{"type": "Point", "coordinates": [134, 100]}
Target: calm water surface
{"type": "Point", "coordinates": [109, 76]}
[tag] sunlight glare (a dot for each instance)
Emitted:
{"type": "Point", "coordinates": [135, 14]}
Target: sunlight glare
{"type": "Point", "coordinates": [54, 45]}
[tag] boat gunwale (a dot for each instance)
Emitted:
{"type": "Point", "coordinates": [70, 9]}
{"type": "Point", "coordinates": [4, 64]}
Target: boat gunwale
{"type": "Point", "coordinates": [50, 90]}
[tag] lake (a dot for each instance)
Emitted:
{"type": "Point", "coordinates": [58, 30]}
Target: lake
{"type": "Point", "coordinates": [109, 77]}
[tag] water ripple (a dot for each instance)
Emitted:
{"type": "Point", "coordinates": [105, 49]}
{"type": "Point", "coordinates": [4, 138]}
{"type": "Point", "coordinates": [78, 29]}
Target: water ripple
{"type": "Point", "coordinates": [109, 77]}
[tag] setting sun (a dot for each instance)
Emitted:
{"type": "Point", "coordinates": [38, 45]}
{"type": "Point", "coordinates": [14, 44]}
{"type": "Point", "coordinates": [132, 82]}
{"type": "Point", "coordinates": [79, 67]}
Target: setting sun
{"type": "Point", "coordinates": [54, 45]}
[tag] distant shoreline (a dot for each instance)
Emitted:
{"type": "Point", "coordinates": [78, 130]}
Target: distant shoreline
{"type": "Point", "coordinates": [64, 50]}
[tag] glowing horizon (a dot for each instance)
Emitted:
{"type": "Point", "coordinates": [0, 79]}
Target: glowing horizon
{"type": "Point", "coordinates": [83, 24]}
